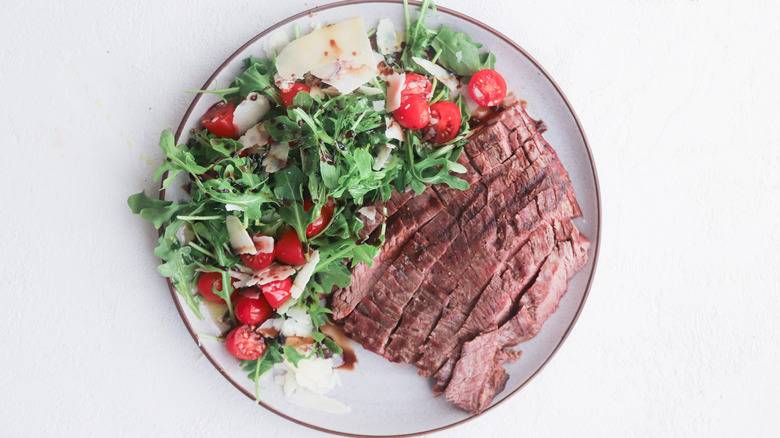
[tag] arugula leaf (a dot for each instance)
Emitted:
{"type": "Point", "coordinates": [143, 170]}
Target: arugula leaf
{"type": "Point", "coordinates": [459, 54]}
{"type": "Point", "coordinates": [155, 211]}
{"type": "Point", "coordinates": [256, 368]}
{"type": "Point", "coordinates": [332, 346]}
{"type": "Point", "coordinates": [330, 175]}
{"type": "Point", "coordinates": [178, 160]}
{"type": "Point", "coordinates": [337, 276]}
{"type": "Point", "coordinates": [293, 355]}
{"type": "Point", "coordinates": [418, 36]}
{"type": "Point", "coordinates": [252, 203]}
{"type": "Point", "coordinates": [282, 128]}
{"type": "Point", "coordinates": [288, 184]}
{"type": "Point", "coordinates": [432, 167]}
{"type": "Point", "coordinates": [465, 114]}
{"type": "Point", "coordinates": [257, 78]}
{"type": "Point", "coordinates": [225, 146]}
{"type": "Point", "coordinates": [318, 314]}
{"type": "Point", "coordinates": [179, 267]}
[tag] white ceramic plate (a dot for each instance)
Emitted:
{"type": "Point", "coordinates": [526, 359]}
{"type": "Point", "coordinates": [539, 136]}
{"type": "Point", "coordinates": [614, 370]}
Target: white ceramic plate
{"type": "Point", "coordinates": [388, 398]}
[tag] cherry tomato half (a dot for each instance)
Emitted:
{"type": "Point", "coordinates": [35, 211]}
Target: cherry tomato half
{"type": "Point", "coordinates": [288, 95]}
{"type": "Point", "coordinates": [413, 113]}
{"type": "Point", "coordinates": [323, 220]}
{"type": "Point", "coordinates": [288, 249]}
{"type": "Point", "coordinates": [445, 118]}
{"type": "Point", "coordinates": [417, 84]}
{"type": "Point", "coordinates": [219, 120]}
{"type": "Point", "coordinates": [208, 282]}
{"type": "Point", "coordinates": [245, 343]}
{"type": "Point", "coordinates": [252, 308]}
{"type": "Point", "coordinates": [487, 87]}
{"type": "Point", "coordinates": [277, 292]}
{"type": "Point", "coordinates": [258, 261]}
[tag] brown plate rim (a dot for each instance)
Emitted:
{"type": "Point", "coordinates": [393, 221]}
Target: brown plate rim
{"type": "Point", "coordinates": [522, 51]}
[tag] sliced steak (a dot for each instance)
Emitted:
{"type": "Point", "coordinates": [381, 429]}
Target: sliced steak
{"type": "Point", "coordinates": [490, 237]}
{"type": "Point", "coordinates": [542, 298]}
{"type": "Point", "coordinates": [422, 314]}
{"type": "Point", "coordinates": [547, 206]}
{"type": "Point", "coordinates": [500, 296]}
{"type": "Point", "coordinates": [418, 319]}
{"type": "Point", "coordinates": [478, 375]}
{"type": "Point", "coordinates": [497, 299]}
{"type": "Point", "coordinates": [371, 326]}
{"type": "Point", "coordinates": [400, 228]}
{"type": "Point", "coordinates": [535, 306]}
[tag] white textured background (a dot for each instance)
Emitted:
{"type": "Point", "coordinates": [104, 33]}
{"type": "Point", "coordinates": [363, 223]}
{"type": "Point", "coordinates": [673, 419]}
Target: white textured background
{"type": "Point", "coordinates": [679, 100]}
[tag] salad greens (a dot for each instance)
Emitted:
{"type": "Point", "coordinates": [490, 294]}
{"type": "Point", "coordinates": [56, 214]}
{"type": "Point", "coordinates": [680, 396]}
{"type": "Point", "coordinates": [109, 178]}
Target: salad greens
{"type": "Point", "coordinates": [335, 142]}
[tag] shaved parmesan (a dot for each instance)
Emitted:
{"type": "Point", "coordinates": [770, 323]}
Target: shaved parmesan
{"type": "Point", "coordinates": [239, 238]}
{"type": "Point", "coordinates": [297, 323]}
{"type": "Point", "coordinates": [247, 277]}
{"type": "Point", "coordinates": [378, 58]}
{"type": "Point", "coordinates": [369, 213]}
{"type": "Point", "coordinates": [233, 207]}
{"type": "Point", "coordinates": [394, 130]}
{"type": "Point", "coordinates": [387, 40]}
{"type": "Point", "coordinates": [382, 157]}
{"type": "Point", "coordinates": [340, 55]}
{"type": "Point", "coordinates": [307, 383]}
{"type": "Point", "coordinates": [263, 244]}
{"type": "Point", "coordinates": [369, 91]}
{"type": "Point", "coordinates": [304, 275]}
{"type": "Point", "coordinates": [445, 77]}
{"type": "Point", "coordinates": [395, 84]}
{"type": "Point", "coordinates": [256, 136]}
{"type": "Point", "coordinates": [277, 157]}
{"type": "Point", "coordinates": [379, 105]}
{"type": "Point", "coordinates": [249, 112]}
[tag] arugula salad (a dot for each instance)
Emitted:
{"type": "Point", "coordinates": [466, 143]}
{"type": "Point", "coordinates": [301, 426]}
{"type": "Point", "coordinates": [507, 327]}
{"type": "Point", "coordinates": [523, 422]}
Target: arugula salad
{"type": "Point", "coordinates": [302, 142]}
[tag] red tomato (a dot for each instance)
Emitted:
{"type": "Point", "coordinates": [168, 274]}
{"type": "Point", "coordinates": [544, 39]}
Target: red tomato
{"type": "Point", "coordinates": [252, 308]}
{"type": "Point", "coordinates": [261, 260]}
{"type": "Point", "coordinates": [322, 222]}
{"type": "Point", "coordinates": [487, 87]}
{"type": "Point", "coordinates": [445, 117]}
{"type": "Point", "coordinates": [209, 281]}
{"type": "Point", "coordinates": [288, 249]}
{"type": "Point", "coordinates": [245, 343]}
{"type": "Point", "coordinates": [417, 84]}
{"type": "Point", "coordinates": [219, 120]}
{"type": "Point", "coordinates": [413, 113]}
{"type": "Point", "coordinates": [277, 292]}
{"type": "Point", "coordinates": [287, 96]}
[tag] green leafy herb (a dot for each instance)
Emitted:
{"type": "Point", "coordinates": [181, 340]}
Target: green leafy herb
{"type": "Point", "coordinates": [459, 54]}
{"type": "Point", "coordinates": [155, 211]}
{"type": "Point", "coordinates": [259, 77]}
{"type": "Point", "coordinates": [293, 355]}
{"type": "Point", "coordinates": [418, 36]}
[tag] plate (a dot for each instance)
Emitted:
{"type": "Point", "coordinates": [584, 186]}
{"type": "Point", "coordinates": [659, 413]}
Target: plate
{"type": "Point", "coordinates": [389, 399]}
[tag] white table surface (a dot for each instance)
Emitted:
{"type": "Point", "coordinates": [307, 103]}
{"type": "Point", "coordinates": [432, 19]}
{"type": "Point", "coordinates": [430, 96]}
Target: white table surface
{"type": "Point", "coordinates": [679, 336]}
